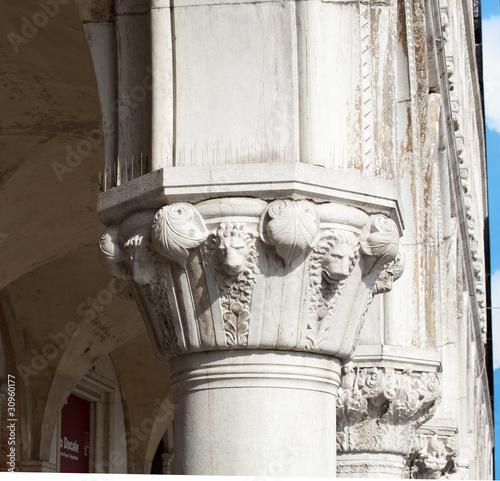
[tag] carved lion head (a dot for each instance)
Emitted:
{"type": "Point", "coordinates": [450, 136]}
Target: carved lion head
{"type": "Point", "coordinates": [235, 247]}
{"type": "Point", "coordinates": [340, 253]}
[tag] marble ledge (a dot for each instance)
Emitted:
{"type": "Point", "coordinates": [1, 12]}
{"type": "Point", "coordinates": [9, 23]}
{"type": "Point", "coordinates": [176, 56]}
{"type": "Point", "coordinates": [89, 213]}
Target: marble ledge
{"type": "Point", "coordinates": [216, 3]}
{"type": "Point", "coordinates": [385, 355]}
{"type": "Point", "coordinates": [265, 181]}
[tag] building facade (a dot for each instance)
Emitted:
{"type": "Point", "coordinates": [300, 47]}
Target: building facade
{"type": "Point", "coordinates": [244, 238]}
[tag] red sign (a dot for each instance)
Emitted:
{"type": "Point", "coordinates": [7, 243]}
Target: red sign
{"type": "Point", "coordinates": [74, 445]}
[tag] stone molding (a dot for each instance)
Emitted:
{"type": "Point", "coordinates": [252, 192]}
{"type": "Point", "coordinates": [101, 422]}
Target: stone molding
{"type": "Point", "coordinates": [37, 466]}
{"type": "Point", "coordinates": [246, 273]}
{"type": "Point", "coordinates": [398, 357]}
{"type": "Point", "coordinates": [387, 469]}
{"type": "Point", "coordinates": [466, 188]}
{"type": "Point", "coordinates": [370, 465]}
{"type": "Point", "coordinates": [195, 184]}
{"type": "Point", "coordinates": [380, 408]}
{"type": "Point", "coordinates": [255, 370]}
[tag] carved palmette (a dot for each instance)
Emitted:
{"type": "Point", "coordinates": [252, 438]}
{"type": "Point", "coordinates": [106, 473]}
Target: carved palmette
{"type": "Point", "coordinates": [176, 229]}
{"type": "Point", "coordinates": [290, 226]}
{"type": "Point", "coordinates": [112, 253]}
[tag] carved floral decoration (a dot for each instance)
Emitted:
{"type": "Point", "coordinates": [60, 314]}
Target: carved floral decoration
{"type": "Point", "coordinates": [379, 408]}
{"type": "Point", "coordinates": [114, 257]}
{"type": "Point", "coordinates": [112, 252]}
{"type": "Point", "coordinates": [147, 273]}
{"type": "Point", "coordinates": [380, 241]}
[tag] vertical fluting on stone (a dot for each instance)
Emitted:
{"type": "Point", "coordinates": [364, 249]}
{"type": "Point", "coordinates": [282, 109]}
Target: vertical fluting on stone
{"type": "Point", "coordinates": [163, 84]}
{"type": "Point", "coordinates": [310, 55]}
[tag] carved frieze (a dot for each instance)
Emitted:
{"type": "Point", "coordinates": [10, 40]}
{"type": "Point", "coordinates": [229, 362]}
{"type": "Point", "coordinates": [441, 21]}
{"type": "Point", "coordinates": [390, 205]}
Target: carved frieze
{"type": "Point", "coordinates": [243, 273]}
{"type": "Point", "coordinates": [379, 408]}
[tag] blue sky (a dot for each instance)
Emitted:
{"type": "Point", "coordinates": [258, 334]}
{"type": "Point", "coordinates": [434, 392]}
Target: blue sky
{"type": "Point", "coordinates": [491, 80]}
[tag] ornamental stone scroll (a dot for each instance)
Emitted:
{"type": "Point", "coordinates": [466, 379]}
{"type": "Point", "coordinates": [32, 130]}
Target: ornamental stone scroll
{"type": "Point", "coordinates": [245, 273]}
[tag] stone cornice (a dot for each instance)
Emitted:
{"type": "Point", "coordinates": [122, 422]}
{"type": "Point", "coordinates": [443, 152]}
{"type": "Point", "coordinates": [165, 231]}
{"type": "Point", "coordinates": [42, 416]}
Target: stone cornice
{"type": "Point", "coordinates": [266, 181]}
{"type": "Point", "coordinates": [455, 146]}
{"type": "Point", "coordinates": [385, 355]}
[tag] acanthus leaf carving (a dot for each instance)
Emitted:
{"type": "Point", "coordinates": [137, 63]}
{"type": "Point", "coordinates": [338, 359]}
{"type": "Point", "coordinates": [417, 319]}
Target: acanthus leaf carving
{"type": "Point", "coordinates": [142, 260]}
{"type": "Point", "coordinates": [213, 292]}
{"type": "Point", "coordinates": [156, 295]}
{"type": "Point", "coordinates": [290, 226]}
{"type": "Point", "coordinates": [236, 325]}
{"type": "Point", "coordinates": [176, 229]}
{"type": "Point", "coordinates": [380, 241]}
{"type": "Point", "coordinates": [112, 253]}
{"type": "Point", "coordinates": [379, 409]}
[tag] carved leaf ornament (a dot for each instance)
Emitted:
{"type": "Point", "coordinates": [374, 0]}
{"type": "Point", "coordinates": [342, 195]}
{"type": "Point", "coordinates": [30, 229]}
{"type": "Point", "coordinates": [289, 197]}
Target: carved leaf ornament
{"type": "Point", "coordinates": [380, 240]}
{"type": "Point", "coordinates": [236, 325]}
{"type": "Point", "coordinates": [379, 409]}
{"type": "Point", "coordinates": [292, 227]}
{"type": "Point", "coordinates": [177, 228]}
{"type": "Point", "coordinates": [111, 252]}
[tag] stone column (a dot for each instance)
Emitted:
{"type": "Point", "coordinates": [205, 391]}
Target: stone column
{"type": "Point", "coordinates": [246, 210]}
{"type": "Point", "coordinates": [255, 412]}
{"type": "Point", "coordinates": [255, 303]}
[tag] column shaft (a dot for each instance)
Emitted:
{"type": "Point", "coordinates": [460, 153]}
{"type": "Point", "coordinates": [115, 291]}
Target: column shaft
{"type": "Point", "coordinates": [259, 413]}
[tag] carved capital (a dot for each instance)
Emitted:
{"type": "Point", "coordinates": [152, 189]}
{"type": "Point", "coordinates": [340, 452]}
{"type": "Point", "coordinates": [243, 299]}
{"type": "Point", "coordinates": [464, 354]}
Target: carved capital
{"type": "Point", "coordinates": [379, 408]}
{"type": "Point", "coordinates": [434, 456]}
{"type": "Point", "coordinates": [244, 273]}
